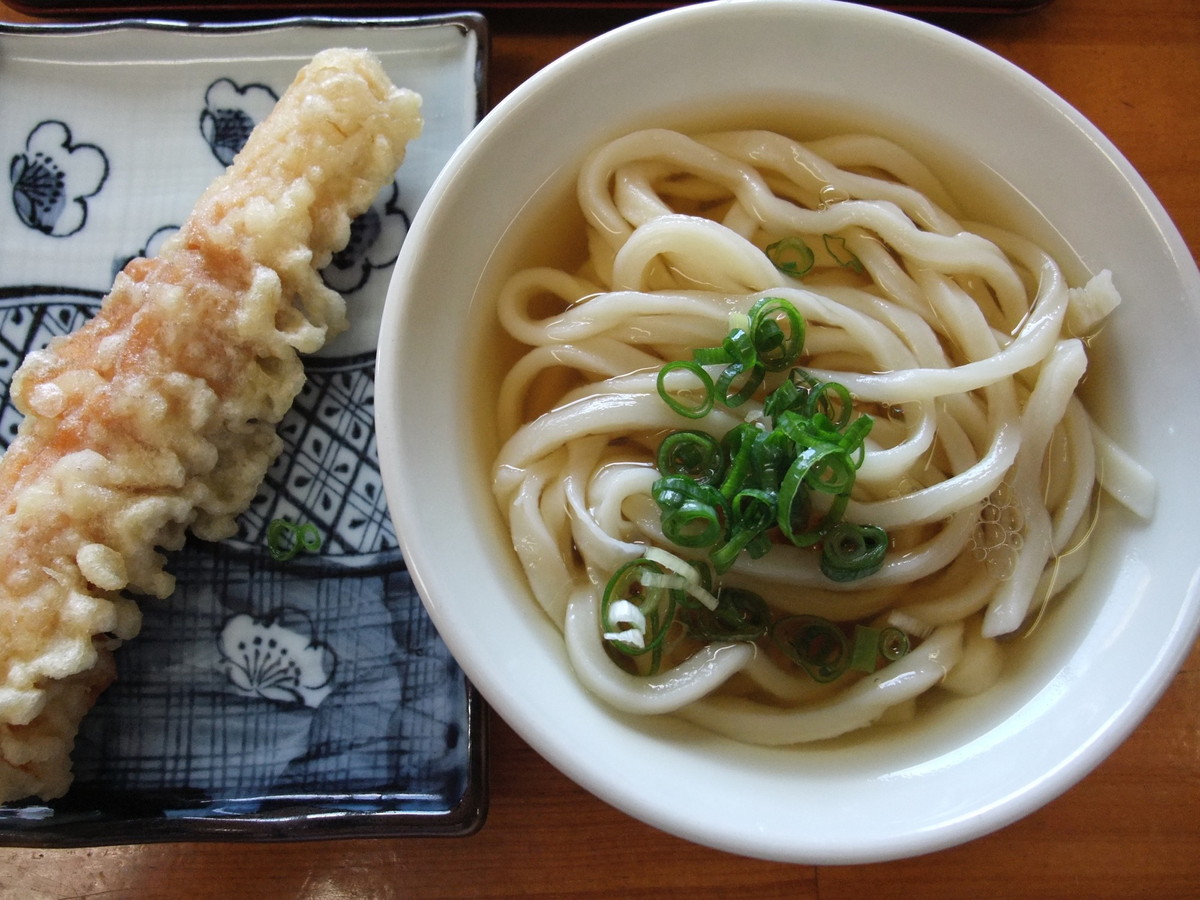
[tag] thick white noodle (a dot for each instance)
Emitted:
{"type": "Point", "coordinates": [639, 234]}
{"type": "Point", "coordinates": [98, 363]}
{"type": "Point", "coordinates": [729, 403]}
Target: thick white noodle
{"type": "Point", "coordinates": [959, 339]}
{"type": "Point", "coordinates": [855, 707]}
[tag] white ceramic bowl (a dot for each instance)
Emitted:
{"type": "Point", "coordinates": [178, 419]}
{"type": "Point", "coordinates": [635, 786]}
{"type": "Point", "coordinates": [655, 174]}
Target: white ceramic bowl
{"type": "Point", "coordinates": [1092, 669]}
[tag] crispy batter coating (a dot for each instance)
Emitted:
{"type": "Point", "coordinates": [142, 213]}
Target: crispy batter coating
{"type": "Point", "coordinates": [158, 416]}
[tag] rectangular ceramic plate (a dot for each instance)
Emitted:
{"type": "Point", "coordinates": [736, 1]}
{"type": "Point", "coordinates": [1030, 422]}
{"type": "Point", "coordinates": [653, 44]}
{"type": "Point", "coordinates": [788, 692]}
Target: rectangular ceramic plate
{"type": "Point", "coordinates": [264, 700]}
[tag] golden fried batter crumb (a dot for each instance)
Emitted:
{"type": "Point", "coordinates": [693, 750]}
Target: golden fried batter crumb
{"type": "Point", "coordinates": [158, 416]}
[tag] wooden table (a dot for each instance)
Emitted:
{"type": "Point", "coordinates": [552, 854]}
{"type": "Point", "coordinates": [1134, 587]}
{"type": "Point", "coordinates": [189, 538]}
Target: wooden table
{"type": "Point", "coordinates": [1130, 829]}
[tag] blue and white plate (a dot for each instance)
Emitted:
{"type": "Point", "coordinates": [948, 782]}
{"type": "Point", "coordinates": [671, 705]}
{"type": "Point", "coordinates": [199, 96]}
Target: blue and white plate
{"type": "Point", "coordinates": [263, 700]}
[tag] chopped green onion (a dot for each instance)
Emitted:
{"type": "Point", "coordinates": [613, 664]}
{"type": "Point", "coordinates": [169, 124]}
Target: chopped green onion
{"type": "Point", "coordinates": [692, 524]}
{"type": "Point", "coordinates": [753, 513]}
{"type": "Point", "coordinates": [865, 652]}
{"type": "Point", "coordinates": [644, 631]}
{"type": "Point", "coordinates": [850, 551]}
{"type": "Point", "coordinates": [824, 467]}
{"type": "Point", "coordinates": [738, 445]}
{"type": "Point", "coordinates": [770, 456]}
{"type": "Point", "coordinates": [697, 578]}
{"type": "Point", "coordinates": [785, 398]}
{"type": "Point", "coordinates": [692, 453]}
{"type": "Point", "coordinates": [740, 615]}
{"type": "Point", "coordinates": [893, 643]}
{"type": "Point", "coordinates": [756, 343]}
{"type": "Point", "coordinates": [620, 613]}
{"type": "Point", "coordinates": [837, 408]}
{"type": "Point", "coordinates": [285, 539]}
{"type": "Point", "coordinates": [754, 509]}
{"type": "Point", "coordinates": [738, 383]}
{"type": "Point", "coordinates": [872, 643]}
{"type": "Point", "coordinates": [673, 563]}
{"type": "Point", "coordinates": [836, 246]}
{"type": "Point", "coordinates": [740, 347]}
{"type": "Point", "coordinates": [646, 597]}
{"type": "Point", "coordinates": [791, 256]}
{"type": "Point", "coordinates": [815, 644]}
{"type": "Point", "coordinates": [908, 624]}
{"type": "Point", "coordinates": [777, 348]}
{"type": "Point", "coordinates": [693, 514]}
{"type": "Point", "coordinates": [711, 356]}
{"type": "Point", "coordinates": [794, 512]}
{"type": "Point", "coordinates": [706, 391]}
{"type": "Point", "coordinates": [663, 581]}
{"type": "Point", "coordinates": [815, 444]}
{"type": "Point", "coordinates": [734, 495]}
{"type": "Point", "coordinates": [854, 437]}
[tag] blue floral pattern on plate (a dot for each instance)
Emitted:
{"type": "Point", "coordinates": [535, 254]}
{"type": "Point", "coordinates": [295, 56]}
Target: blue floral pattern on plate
{"type": "Point", "coordinates": [264, 699]}
{"type": "Point", "coordinates": [53, 179]}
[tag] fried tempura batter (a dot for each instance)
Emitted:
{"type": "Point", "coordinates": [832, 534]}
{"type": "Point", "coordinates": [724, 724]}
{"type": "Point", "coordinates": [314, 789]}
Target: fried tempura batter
{"type": "Point", "coordinates": [159, 415]}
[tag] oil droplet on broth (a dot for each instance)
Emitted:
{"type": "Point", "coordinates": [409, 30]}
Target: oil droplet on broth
{"type": "Point", "coordinates": [831, 194]}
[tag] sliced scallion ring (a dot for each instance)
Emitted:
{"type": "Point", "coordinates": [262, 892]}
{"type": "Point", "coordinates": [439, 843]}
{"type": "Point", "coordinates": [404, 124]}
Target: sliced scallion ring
{"type": "Point", "coordinates": [850, 551]}
{"type": "Point", "coordinates": [815, 644]}
{"type": "Point", "coordinates": [285, 539]}
{"type": "Point", "coordinates": [738, 383]}
{"type": "Point", "coordinates": [706, 391]}
{"type": "Point", "coordinates": [740, 615]}
{"type": "Point", "coordinates": [634, 584]}
{"type": "Point", "coordinates": [777, 347]}
{"type": "Point", "coordinates": [791, 256]}
{"type": "Point", "coordinates": [835, 246]}
{"type": "Point", "coordinates": [693, 453]}
{"type": "Point", "coordinates": [893, 643]}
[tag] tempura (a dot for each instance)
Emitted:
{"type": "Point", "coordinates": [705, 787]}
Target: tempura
{"type": "Point", "coordinates": [158, 416]}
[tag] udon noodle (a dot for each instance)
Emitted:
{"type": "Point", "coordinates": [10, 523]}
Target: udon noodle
{"type": "Point", "coordinates": [963, 342]}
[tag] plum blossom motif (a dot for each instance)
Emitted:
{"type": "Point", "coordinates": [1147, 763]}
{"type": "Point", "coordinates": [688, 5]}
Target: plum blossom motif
{"type": "Point", "coordinates": [375, 239]}
{"type": "Point", "coordinates": [230, 113]}
{"type": "Point", "coordinates": [269, 658]}
{"type": "Point", "coordinates": [54, 178]}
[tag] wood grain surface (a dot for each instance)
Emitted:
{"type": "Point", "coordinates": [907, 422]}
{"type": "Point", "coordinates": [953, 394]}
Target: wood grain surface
{"type": "Point", "coordinates": [1130, 829]}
